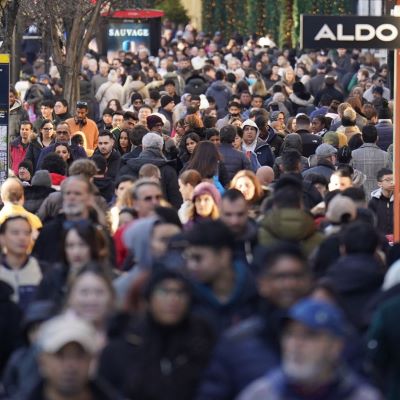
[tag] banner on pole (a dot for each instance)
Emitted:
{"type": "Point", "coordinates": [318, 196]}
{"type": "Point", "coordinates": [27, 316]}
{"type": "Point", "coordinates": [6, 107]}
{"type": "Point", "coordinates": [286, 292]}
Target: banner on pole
{"type": "Point", "coordinates": [4, 114]}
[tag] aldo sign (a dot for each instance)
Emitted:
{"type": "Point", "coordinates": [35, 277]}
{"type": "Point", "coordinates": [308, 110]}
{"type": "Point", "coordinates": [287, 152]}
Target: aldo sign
{"type": "Point", "coordinates": [319, 31]}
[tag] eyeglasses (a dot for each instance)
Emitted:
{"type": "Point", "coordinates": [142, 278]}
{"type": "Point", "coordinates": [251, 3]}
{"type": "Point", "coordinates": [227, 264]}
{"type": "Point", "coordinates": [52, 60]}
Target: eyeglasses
{"type": "Point", "coordinates": [47, 129]}
{"type": "Point", "coordinates": [196, 257]}
{"type": "Point", "coordinates": [62, 132]}
{"type": "Point", "coordinates": [158, 197]}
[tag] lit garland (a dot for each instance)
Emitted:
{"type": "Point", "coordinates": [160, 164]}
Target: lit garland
{"type": "Point", "coordinates": [280, 18]}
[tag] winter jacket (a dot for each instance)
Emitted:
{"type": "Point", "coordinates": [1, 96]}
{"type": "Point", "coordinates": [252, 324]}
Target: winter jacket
{"type": "Point", "coordinates": [34, 197]}
{"type": "Point", "coordinates": [241, 304]}
{"type": "Point", "coordinates": [196, 84]}
{"type": "Point", "coordinates": [131, 87]}
{"type": "Point", "coordinates": [113, 163]}
{"type": "Point", "coordinates": [10, 209]}
{"type": "Point", "coordinates": [275, 141]}
{"type": "Point", "coordinates": [233, 159]}
{"type": "Point", "coordinates": [303, 103]}
{"type": "Point", "coordinates": [10, 320]}
{"type": "Point", "coordinates": [244, 353]}
{"type": "Point", "coordinates": [357, 278]}
{"type": "Point", "coordinates": [369, 159]}
{"type": "Point", "coordinates": [324, 168]}
{"type": "Point", "coordinates": [106, 187]}
{"type": "Point", "coordinates": [76, 153]}
{"type": "Point", "coordinates": [108, 91]}
{"type": "Point", "coordinates": [259, 152]}
{"type": "Point", "coordinates": [33, 152]}
{"type": "Point", "coordinates": [23, 280]}
{"type": "Point", "coordinates": [384, 347]}
{"type": "Point", "coordinates": [310, 142]}
{"type": "Point", "coordinates": [17, 153]}
{"type": "Point", "coordinates": [292, 225]}
{"type": "Point", "coordinates": [169, 178]}
{"type": "Point", "coordinates": [385, 134]}
{"type": "Point", "coordinates": [276, 386]}
{"type": "Point", "coordinates": [154, 362]}
{"type": "Point", "coordinates": [16, 115]}
{"type": "Point", "coordinates": [383, 209]}
{"type": "Point", "coordinates": [222, 94]}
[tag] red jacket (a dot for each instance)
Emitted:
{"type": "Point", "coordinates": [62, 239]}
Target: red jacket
{"type": "Point", "coordinates": [17, 153]}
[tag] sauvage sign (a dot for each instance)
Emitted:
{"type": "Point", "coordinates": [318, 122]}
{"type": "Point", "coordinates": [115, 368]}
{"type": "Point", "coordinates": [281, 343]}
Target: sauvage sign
{"type": "Point", "coordinates": [319, 31]}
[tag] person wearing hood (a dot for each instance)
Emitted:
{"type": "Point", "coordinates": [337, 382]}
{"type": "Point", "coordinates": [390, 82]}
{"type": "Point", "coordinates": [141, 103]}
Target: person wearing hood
{"type": "Point", "coordinates": [16, 114]}
{"type": "Point", "coordinates": [146, 240]}
{"type": "Point", "coordinates": [224, 288]}
{"type": "Point", "coordinates": [134, 84]}
{"type": "Point", "coordinates": [163, 349]}
{"type": "Point", "coordinates": [220, 92]}
{"type": "Point", "coordinates": [358, 274]}
{"type": "Point", "coordinates": [291, 142]}
{"type": "Point", "coordinates": [256, 150]}
{"type": "Point", "coordinates": [110, 90]}
{"type": "Point", "coordinates": [287, 220]}
{"type": "Point", "coordinates": [152, 154]}
{"type": "Point", "coordinates": [40, 188]}
{"type": "Point", "coordinates": [300, 99]}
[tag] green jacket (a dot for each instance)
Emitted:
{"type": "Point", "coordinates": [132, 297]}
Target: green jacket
{"type": "Point", "coordinates": [290, 224]}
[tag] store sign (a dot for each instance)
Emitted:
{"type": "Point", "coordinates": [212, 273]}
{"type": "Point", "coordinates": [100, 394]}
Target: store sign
{"type": "Point", "coordinates": [319, 31]}
{"type": "Point", "coordinates": [4, 112]}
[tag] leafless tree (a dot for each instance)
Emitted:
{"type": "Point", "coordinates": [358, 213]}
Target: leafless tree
{"type": "Point", "coordinates": [70, 25]}
{"type": "Point", "coordinates": [8, 16]}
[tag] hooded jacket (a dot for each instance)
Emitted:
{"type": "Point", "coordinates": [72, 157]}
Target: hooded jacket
{"type": "Point", "coordinates": [195, 84]}
{"type": "Point", "coordinates": [222, 95]}
{"type": "Point", "coordinates": [383, 208]}
{"type": "Point", "coordinates": [357, 278]}
{"type": "Point", "coordinates": [292, 141]}
{"type": "Point", "coordinates": [241, 304]}
{"type": "Point", "coordinates": [169, 178]}
{"type": "Point", "coordinates": [290, 224]}
{"type": "Point", "coordinates": [259, 152]}
{"type": "Point", "coordinates": [136, 238]}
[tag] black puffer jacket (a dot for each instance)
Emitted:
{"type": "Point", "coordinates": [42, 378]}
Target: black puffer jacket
{"type": "Point", "coordinates": [169, 178]}
{"type": "Point", "coordinates": [34, 197]}
{"type": "Point", "coordinates": [154, 362]}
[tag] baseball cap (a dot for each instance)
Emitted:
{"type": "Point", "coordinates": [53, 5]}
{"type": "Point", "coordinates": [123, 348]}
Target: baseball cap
{"type": "Point", "coordinates": [339, 208]}
{"type": "Point", "coordinates": [64, 329]}
{"type": "Point", "coordinates": [319, 315]}
{"type": "Point", "coordinates": [325, 150]}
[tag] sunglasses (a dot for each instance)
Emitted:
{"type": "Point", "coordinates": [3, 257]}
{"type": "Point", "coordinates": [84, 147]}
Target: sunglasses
{"type": "Point", "coordinates": [62, 132]}
{"type": "Point", "coordinates": [81, 104]}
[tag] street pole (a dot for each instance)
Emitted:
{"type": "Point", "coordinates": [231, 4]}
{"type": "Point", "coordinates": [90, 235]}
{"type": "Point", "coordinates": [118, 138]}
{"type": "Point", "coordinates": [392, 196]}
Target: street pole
{"type": "Point", "coordinates": [396, 139]}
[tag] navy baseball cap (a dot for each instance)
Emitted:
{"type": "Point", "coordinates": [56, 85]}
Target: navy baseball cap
{"type": "Point", "coordinates": [319, 315]}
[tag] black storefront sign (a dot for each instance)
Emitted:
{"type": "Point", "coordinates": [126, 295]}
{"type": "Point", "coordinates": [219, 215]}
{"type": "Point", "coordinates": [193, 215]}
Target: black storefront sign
{"type": "Point", "coordinates": [319, 31]}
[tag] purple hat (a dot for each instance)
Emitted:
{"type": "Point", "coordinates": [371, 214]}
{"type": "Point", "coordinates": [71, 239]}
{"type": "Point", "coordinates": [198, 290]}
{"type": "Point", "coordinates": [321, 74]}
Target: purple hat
{"type": "Point", "coordinates": [207, 188]}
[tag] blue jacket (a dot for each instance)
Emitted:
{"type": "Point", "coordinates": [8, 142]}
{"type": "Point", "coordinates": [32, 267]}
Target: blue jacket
{"type": "Point", "coordinates": [222, 95]}
{"type": "Point", "coordinates": [276, 385]}
{"type": "Point", "coordinates": [233, 159]}
{"type": "Point", "coordinates": [241, 305]}
{"type": "Point", "coordinates": [76, 153]}
{"type": "Point", "coordinates": [385, 134]}
{"type": "Point", "coordinates": [243, 354]}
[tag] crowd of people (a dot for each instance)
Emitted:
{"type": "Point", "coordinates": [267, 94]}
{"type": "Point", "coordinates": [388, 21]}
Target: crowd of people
{"type": "Point", "coordinates": [213, 223]}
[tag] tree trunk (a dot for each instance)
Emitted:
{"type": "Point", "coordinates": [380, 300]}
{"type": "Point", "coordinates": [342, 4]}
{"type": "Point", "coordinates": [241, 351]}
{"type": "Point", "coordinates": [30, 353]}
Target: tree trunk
{"type": "Point", "coordinates": [8, 18]}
